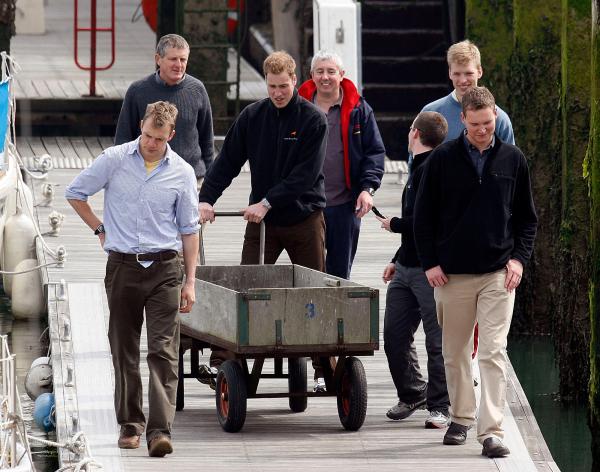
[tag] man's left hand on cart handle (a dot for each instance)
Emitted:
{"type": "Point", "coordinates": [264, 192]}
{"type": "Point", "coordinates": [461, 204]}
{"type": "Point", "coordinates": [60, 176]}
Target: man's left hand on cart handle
{"type": "Point", "coordinates": [255, 213]}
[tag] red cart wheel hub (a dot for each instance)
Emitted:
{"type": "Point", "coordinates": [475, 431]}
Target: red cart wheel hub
{"type": "Point", "coordinates": [224, 399]}
{"type": "Point", "coordinates": [346, 390]}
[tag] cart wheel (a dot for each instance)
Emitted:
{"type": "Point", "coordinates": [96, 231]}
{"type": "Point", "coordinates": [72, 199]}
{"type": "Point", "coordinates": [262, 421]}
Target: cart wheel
{"type": "Point", "coordinates": [231, 396]}
{"type": "Point", "coordinates": [352, 395]}
{"type": "Point", "coordinates": [180, 402]}
{"type": "Point", "coordinates": [297, 383]}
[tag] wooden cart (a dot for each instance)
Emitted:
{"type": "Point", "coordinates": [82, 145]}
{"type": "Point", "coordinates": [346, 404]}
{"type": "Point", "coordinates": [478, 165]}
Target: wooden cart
{"type": "Point", "coordinates": [281, 312]}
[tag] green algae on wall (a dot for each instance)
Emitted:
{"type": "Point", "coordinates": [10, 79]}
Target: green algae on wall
{"type": "Point", "coordinates": [571, 320]}
{"type": "Point", "coordinates": [533, 102]}
{"type": "Point", "coordinates": [490, 26]}
{"type": "Point", "coordinates": [592, 173]}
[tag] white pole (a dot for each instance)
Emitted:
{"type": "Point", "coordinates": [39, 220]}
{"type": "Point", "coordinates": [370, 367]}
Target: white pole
{"type": "Point", "coordinates": [13, 409]}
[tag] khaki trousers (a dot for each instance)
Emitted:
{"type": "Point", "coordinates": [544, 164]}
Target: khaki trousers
{"type": "Point", "coordinates": [463, 301]}
{"type": "Point", "coordinates": [131, 289]}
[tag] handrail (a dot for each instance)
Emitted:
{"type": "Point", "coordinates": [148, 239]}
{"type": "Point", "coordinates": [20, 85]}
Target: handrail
{"type": "Point", "coordinates": [94, 30]}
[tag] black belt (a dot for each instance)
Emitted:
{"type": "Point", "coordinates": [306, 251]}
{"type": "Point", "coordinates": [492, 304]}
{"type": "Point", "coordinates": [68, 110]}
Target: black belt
{"type": "Point", "coordinates": [149, 256]}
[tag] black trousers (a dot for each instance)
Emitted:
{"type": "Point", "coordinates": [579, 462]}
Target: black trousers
{"type": "Point", "coordinates": [409, 300]}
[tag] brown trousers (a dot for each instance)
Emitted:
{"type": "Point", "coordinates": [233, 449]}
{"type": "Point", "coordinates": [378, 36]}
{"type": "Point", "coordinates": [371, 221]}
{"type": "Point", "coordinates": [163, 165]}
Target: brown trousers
{"type": "Point", "coordinates": [131, 288]}
{"type": "Point", "coordinates": [304, 242]}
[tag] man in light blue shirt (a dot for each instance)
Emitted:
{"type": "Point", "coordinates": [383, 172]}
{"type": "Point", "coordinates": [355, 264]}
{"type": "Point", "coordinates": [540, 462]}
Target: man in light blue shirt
{"type": "Point", "coordinates": [464, 69]}
{"type": "Point", "coordinates": [149, 199]}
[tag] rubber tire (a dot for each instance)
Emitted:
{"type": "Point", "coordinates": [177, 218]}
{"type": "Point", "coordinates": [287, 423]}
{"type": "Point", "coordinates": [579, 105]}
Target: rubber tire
{"type": "Point", "coordinates": [297, 383]}
{"type": "Point", "coordinates": [180, 401]}
{"type": "Point", "coordinates": [352, 395]}
{"type": "Point", "coordinates": [231, 377]}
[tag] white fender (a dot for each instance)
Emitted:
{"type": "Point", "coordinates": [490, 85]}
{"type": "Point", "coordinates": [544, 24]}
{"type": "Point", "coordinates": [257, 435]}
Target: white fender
{"type": "Point", "coordinates": [27, 293]}
{"type": "Point", "coordinates": [18, 244]}
{"type": "Point", "coordinates": [22, 198]}
{"type": "Point", "coordinates": [39, 378]}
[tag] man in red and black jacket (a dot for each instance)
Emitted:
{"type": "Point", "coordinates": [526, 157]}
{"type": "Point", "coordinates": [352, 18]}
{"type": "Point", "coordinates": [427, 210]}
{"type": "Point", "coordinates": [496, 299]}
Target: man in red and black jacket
{"type": "Point", "coordinates": [354, 160]}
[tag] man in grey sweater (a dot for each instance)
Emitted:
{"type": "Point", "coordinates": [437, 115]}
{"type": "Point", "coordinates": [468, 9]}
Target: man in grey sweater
{"type": "Point", "coordinates": [193, 139]}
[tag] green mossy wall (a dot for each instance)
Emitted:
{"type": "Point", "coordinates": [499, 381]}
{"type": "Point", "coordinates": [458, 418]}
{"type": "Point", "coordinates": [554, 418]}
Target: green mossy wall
{"type": "Point", "coordinates": [571, 321]}
{"type": "Point", "coordinates": [592, 172]}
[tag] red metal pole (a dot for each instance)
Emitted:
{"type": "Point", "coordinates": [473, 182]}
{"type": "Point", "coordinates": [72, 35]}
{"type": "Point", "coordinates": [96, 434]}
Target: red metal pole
{"type": "Point", "coordinates": [93, 49]}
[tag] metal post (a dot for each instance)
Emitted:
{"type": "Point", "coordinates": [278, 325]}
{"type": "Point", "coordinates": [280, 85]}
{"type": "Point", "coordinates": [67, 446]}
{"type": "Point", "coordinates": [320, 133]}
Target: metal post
{"type": "Point", "coordinates": [13, 409]}
{"type": "Point", "coordinates": [261, 254]}
{"type": "Point", "coordinates": [93, 26]}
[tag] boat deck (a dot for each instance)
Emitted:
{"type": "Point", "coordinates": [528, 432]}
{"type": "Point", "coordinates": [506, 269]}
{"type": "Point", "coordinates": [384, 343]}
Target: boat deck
{"type": "Point", "coordinates": [273, 438]}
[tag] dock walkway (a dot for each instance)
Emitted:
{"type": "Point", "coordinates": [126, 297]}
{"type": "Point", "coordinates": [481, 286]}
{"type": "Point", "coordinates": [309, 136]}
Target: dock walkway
{"type": "Point", "coordinates": [273, 438]}
{"type": "Point", "coordinates": [49, 72]}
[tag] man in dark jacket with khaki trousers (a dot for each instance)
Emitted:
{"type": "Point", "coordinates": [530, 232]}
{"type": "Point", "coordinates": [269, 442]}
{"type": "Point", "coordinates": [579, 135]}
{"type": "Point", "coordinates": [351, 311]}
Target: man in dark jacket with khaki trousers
{"type": "Point", "coordinates": [475, 224]}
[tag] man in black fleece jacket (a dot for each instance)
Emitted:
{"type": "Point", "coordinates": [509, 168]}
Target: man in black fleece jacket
{"type": "Point", "coordinates": [410, 298]}
{"type": "Point", "coordinates": [475, 224]}
{"type": "Point", "coordinates": [284, 138]}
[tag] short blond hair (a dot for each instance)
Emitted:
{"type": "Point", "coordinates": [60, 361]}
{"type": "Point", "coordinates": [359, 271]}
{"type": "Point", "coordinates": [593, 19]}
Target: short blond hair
{"type": "Point", "coordinates": [278, 62]}
{"type": "Point", "coordinates": [462, 53]}
{"type": "Point", "coordinates": [161, 113]}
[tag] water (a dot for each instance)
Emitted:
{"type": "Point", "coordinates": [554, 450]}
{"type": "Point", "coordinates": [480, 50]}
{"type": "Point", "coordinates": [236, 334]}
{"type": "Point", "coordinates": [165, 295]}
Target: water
{"type": "Point", "coordinates": [24, 341]}
{"type": "Point", "coordinates": [564, 427]}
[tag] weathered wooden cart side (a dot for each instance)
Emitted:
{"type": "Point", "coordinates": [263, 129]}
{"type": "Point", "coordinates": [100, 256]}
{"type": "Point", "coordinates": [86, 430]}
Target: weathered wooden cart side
{"type": "Point", "coordinates": [281, 311]}
{"type": "Point", "coordinates": [273, 308]}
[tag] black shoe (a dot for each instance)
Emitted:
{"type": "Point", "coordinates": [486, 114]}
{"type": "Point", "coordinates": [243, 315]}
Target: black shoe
{"type": "Point", "coordinates": [404, 410]}
{"type": "Point", "coordinates": [456, 434]}
{"type": "Point", "coordinates": [207, 375]}
{"type": "Point", "coordinates": [493, 447]}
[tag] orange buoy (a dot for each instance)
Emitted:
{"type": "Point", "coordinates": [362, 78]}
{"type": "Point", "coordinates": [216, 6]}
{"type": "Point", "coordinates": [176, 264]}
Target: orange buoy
{"type": "Point", "coordinates": [232, 17]}
{"type": "Point", "coordinates": [150, 10]}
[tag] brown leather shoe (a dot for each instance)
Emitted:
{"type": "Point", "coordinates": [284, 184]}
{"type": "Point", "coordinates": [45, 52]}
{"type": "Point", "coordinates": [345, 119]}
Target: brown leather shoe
{"type": "Point", "coordinates": [129, 442]}
{"type": "Point", "coordinates": [159, 446]}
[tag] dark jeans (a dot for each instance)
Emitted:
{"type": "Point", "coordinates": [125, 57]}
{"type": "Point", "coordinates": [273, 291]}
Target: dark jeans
{"type": "Point", "coordinates": [342, 229]}
{"type": "Point", "coordinates": [131, 288]}
{"type": "Point", "coordinates": [409, 300]}
{"type": "Point", "coordinates": [304, 242]}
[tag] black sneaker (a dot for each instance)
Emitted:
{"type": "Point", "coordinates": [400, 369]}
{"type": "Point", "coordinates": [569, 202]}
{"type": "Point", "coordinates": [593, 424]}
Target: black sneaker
{"type": "Point", "coordinates": [207, 375]}
{"type": "Point", "coordinates": [404, 410]}
{"type": "Point", "coordinates": [456, 434]}
{"type": "Point", "coordinates": [493, 447]}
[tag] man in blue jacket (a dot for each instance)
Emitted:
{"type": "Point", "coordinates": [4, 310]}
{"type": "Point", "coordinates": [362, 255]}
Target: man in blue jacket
{"type": "Point", "coordinates": [354, 160]}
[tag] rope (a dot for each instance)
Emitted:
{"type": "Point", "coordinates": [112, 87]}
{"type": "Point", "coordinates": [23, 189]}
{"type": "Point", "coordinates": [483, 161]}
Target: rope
{"type": "Point", "coordinates": [77, 445]}
{"type": "Point", "coordinates": [8, 272]}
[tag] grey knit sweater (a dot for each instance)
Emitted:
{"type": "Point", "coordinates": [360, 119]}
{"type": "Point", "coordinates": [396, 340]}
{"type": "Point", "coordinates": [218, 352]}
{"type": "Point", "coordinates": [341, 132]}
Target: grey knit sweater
{"type": "Point", "coordinates": [193, 138]}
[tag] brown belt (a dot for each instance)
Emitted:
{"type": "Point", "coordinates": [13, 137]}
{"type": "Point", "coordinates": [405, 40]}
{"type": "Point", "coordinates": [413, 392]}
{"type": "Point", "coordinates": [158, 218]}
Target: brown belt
{"type": "Point", "coordinates": [149, 256]}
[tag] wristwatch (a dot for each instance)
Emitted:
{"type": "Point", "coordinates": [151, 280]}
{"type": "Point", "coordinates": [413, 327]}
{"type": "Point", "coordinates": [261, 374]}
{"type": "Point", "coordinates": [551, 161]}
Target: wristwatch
{"type": "Point", "coordinates": [370, 190]}
{"type": "Point", "coordinates": [264, 202]}
{"type": "Point", "coordinates": [99, 230]}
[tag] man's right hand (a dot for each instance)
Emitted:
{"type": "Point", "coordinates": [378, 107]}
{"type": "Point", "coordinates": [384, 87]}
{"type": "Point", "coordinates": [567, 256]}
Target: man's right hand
{"type": "Point", "coordinates": [207, 212]}
{"type": "Point", "coordinates": [102, 237]}
{"type": "Point", "coordinates": [388, 272]}
{"type": "Point", "coordinates": [436, 277]}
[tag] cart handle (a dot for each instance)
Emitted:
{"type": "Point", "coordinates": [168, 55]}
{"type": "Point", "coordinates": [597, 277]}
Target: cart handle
{"type": "Point", "coordinates": [261, 251]}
